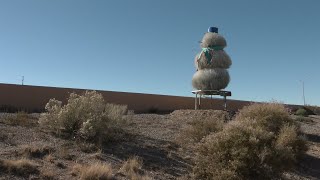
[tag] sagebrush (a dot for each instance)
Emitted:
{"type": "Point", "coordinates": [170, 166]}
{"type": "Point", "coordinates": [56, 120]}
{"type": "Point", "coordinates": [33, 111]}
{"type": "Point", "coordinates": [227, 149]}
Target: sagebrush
{"type": "Point", "coordinates": [87, 116]}
{"type": "Point", "coordinates": [261, 143]}
{"type": "Point", "coordinates": [199, 128]}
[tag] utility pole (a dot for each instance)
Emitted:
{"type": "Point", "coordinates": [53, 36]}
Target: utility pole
{"type": "Point", "coordinates": [303, 96]}
{"type": "Point", "coordinates": [22, 80]}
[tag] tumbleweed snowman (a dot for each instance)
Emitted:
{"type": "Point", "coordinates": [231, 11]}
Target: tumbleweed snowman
{"type": "Point", "coordinates": [212, 63]}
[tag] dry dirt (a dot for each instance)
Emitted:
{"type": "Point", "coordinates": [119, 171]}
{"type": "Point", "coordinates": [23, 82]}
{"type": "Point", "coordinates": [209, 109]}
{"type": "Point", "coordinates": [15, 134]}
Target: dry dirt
{"type": "Point", "coordinates": [151, 137]}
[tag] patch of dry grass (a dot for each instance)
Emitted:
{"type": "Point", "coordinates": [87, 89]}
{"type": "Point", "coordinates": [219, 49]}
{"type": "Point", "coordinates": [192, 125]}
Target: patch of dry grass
{"type": "Point", "coordinates": [98, 155]}
{"type": "Point", "coordinates": [33, 151]}
{"type": "Point", "coordinates": [7, 137]}
{"type": "Point", "coordinates": [94, 171]}
{"type": "Point", "coordinates": [304, 119]}
{"type": "Point", "coordinates": [61, 165]}
{"type": "Point", "coordinates": [139, 177]}
{"type": "Point", "coordinates": [64, 153]}
{"type": "Point", "coordinates": [132, 168]}
{"type": "Point", "coordinates": [47, 174]}
{"type": "Point", "coordinates": [21, 119]}
{"type": "Point", "coordinates": [87, 147]}
{"type": "Point", "coordinates": [49, 158]}
{"type": "Point", "coordinates": [22, 167]}
{"type": "Point", "coordinates": [313, 109]}
{"type": "Point", "coordinates": [3, 137]}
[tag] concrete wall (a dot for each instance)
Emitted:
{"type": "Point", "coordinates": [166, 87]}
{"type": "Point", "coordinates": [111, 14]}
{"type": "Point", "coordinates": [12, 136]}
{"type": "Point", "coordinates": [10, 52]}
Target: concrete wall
{"type": "Point", "coordinates": [34, 98]}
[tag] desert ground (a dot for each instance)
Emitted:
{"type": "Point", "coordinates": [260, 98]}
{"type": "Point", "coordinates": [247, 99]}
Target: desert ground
{"type": "Point", "coordinates": [152, 138]}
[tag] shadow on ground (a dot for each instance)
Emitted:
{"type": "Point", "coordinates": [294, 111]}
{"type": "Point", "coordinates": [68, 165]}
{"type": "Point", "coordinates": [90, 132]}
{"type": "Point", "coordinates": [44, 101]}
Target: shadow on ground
{"type": "Point", "coordinates": [309, 167]}
{"type": "Point", "coordinates": [157, 155]}
{"type": "Point", "coordinates": [312, 137]}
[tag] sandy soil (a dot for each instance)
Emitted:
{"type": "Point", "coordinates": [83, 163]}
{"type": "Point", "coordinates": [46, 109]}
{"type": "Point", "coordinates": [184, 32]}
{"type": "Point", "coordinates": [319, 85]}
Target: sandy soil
{"type": "Point", "coordinates": [309, 167]}
{"type": "Point", "coordinates": [151, 137]}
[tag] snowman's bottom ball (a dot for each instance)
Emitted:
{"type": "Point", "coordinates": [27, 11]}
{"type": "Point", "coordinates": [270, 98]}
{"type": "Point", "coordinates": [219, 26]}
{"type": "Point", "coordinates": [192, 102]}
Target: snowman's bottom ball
{"type": "Point", "coordinates": [211, 79]}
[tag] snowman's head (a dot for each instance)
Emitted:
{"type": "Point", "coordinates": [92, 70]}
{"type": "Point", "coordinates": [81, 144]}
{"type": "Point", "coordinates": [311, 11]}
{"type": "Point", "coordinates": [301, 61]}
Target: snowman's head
{"type": "Point", "coordinates": [212, 38]}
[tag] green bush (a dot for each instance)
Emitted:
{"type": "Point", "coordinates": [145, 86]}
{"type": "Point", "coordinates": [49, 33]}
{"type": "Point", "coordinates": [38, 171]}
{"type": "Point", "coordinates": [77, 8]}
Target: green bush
{"type": "Point", "coordinates": [86, 116]}
{"type": "Point", "coordinates": [301, 112]}
{"type": "Point", "coordinates": [261, 143]}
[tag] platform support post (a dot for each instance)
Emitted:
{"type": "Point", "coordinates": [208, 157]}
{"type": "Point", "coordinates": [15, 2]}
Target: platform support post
{"type": "Point", "coordinates": [225, 102]}
{"type": "Point", "coordinates": [196, 102]}
{"type": "Point", "coordinates": [200, 101]}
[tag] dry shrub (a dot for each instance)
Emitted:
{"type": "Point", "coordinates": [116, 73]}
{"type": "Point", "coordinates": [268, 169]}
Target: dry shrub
{"type": "Point", "coordinates": [85, 116]}
{"type": "Point", "coordinates": [76, 169]}
{"type": "Point", "coordinates": [95, 171]}
{"type": "Point", "coordinates": [290, 145]}
{"type": "Point", "coordinates": [3, 136]}
{"type": "Point", "coordinates": [98, 155]}
{"type": "Point", "coordinates": [7, 138]}
{"type": "Point", "coordinates": [140, 177]}
{"type": "Point", "coordinates": [261, 143]}
{"type": "Point", "coordinates": [49, 158]}
{"type": "Point", "coordinates": [201, 127]}
{"type": "Point", "coordinates": [64, 153]}
{"type": "Point", "coordinates": [185, 177]}
{"type": "Point", "coordinates": [61, 165]}
{"type": "Point", "coordinates": [21, 119]}
{"type": "Point", "coordinates": [33, 151]}
{"type": "Point", "coordinates": [198, 129]}
{"type": "Point", "coordinates": [88, 147]}
{"type": "Point", "coordinates": [270, 116]}
{"type": "Point", "coordinates": [116, 112]}
{"type": "Point", "coordinates": [22, 167]}
{"type": "Point", "coordinates": [132, 168]}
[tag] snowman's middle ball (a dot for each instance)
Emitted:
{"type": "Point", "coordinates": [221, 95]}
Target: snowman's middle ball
{"type": "Point", "coordinates": [219, 59]}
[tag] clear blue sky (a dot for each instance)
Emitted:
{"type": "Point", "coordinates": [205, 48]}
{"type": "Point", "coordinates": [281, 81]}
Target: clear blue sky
{"type": "Point", "coordinates": [148, 46]}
